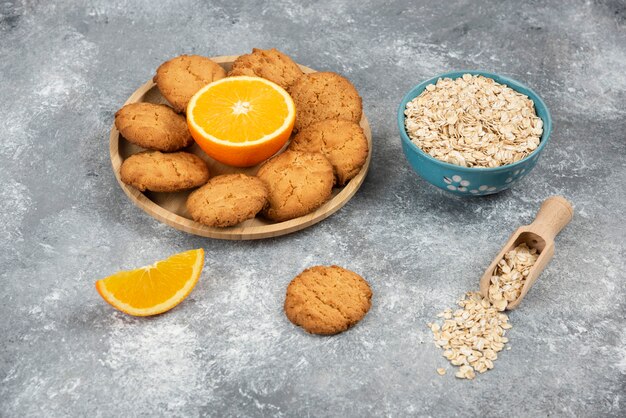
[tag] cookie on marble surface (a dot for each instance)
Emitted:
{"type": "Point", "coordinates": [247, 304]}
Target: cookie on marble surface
{"type": "Point", "coordinates": [159, 172]}
{"type": "Point", "coordinates": [270, 64]}
{"type": "Point", "coordinates": [298, 183]}
{"type": "Point", "coordinates": [180, 78]}
{"type": "Point", "coordinates": [153, 126]}
{"type": "Point", "coordinates": [227, 200]}
{"type": "Point", "coordinates": [327, 300]}
{"type": "Point", "coordinates": [342, 142]}
{"type": "Point", "coordinates": [322, 96]}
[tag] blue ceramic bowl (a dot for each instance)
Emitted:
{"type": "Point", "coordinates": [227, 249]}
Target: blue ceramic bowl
{"type": "Point", "coordinates": [467, 181]}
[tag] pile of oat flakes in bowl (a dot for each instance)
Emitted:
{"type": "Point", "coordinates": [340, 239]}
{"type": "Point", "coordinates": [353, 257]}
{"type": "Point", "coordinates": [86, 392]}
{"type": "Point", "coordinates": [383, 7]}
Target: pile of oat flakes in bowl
{"type": "Point", "coordinates": [473, 121]}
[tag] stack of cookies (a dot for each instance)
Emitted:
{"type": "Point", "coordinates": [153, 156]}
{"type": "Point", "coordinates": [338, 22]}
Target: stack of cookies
{"type": "Point", "coordinates": [329, 147]}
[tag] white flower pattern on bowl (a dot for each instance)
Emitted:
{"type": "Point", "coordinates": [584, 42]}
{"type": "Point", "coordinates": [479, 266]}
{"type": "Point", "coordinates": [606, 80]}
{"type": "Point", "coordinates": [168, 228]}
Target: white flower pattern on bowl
{"type": "Point", "coordinates": [517, 174]}
{"type": "Point", "coordinates": [457, 184]}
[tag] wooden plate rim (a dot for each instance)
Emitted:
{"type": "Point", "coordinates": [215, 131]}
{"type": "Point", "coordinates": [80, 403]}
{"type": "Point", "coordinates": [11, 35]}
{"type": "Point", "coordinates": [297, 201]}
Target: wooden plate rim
{"type": "Point", "coordinates": [237, 232]}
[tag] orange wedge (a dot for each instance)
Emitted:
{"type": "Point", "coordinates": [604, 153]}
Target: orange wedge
{"type": "Point", "coordinates": [154, 289]}
{"type": "Point", "coordinates": [241, 121]}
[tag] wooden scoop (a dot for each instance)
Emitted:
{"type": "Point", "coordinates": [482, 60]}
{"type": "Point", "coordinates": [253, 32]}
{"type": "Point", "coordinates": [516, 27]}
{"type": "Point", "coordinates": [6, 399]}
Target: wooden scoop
{"type": "Point", "coordinates": [554, 214]}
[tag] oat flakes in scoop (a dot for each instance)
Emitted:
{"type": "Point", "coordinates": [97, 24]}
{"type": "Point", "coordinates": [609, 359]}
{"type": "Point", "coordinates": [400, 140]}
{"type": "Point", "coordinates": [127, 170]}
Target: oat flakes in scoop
{"type": "Point", "coordinates": [473, 121]}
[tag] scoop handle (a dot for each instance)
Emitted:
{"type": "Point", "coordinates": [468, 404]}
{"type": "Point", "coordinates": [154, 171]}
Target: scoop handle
{"type": "Point", "coordinates": [554, 214]}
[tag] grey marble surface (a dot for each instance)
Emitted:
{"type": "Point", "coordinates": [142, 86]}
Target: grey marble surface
{"type": "Point", "coordinates": [228, 350]}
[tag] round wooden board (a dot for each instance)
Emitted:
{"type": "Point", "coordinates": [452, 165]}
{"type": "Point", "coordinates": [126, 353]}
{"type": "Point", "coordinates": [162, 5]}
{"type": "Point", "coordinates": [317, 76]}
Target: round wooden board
{"type": "Point", "coordinates": [170, 207]}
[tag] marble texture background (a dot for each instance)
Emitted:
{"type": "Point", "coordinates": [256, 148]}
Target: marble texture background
{"type": "Point", "coordinates": [228, 350]}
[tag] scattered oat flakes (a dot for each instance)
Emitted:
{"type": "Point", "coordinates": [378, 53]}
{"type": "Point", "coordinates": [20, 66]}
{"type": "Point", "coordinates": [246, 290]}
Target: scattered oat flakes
{"type": "Point", "coordinates": [465, 372]}
{"type": "Point", "coordinates": [441, 371]}
{"type": "Point", "coordinates": [510, 275]}
{"type": "Point", "coordinates": [473, 121]}
{"type": "Point", "coordinates": [472, 336]}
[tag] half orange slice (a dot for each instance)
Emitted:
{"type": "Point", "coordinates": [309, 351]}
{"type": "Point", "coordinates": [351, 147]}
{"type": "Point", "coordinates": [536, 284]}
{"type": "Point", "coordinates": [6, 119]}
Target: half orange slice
{"type": "Point", "coordinates": [154, 289]}
{"type": "Point", "coordinates": [242, 120]}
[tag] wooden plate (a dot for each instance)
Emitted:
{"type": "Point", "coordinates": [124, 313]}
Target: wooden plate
{"type": "Point", "coordinates": [170, 207]}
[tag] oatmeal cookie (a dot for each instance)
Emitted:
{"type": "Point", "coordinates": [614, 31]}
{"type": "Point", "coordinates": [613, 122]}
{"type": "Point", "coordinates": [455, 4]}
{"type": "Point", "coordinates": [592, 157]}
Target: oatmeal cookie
{"type": "Point", "coordinates": [158, 172]}
{"type": "Point", "coordinates": [298, 183]}
{"type": "Point", "coordinates": [341, 141]}
{"type": "Point", "coordinates": [321, 96]}
{"type": "Point", "coordinates": [153, 126]}
{"type": "Point", "coordinates": [180, 78]}
{"type": "Point", "coordinates": [270, 64]}
{"type": "Point", "coordinates": [227, 200]}
{"type": "Point", "coordinates": [327, 300]}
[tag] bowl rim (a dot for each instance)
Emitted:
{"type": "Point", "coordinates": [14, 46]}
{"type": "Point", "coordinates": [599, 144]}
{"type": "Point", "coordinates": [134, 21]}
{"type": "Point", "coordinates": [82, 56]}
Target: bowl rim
{"type": "Point", "coordinates": [514, 84]}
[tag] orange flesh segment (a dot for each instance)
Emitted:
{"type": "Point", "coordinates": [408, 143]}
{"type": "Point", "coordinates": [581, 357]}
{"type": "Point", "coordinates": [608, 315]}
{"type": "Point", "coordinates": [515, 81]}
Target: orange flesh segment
{"type": "Point", "coordinates": [153, 289]}
{"type": "Point", "coordinates": [248, 113]}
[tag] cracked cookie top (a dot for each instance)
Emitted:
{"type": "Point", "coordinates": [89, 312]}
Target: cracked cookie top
{"type": "Point", "coordinates": [153, 126]}
{"type": "Point", "coordinates": [159, 172]}
{"type": "Point", "coordinates": [298, 183]}
{"type": "Point", "coordinates": [327, 300]}
{"type": "Point", "coordinates": [270, 64]}
{"type": "Point", "coordinates": [227, 200]}
{"type": "Point", "coordinates": [322, 96]}
{"type": "Point", "coordinates": [180, 78]}
{"type": "Point", "coordinates": [342, 142]}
